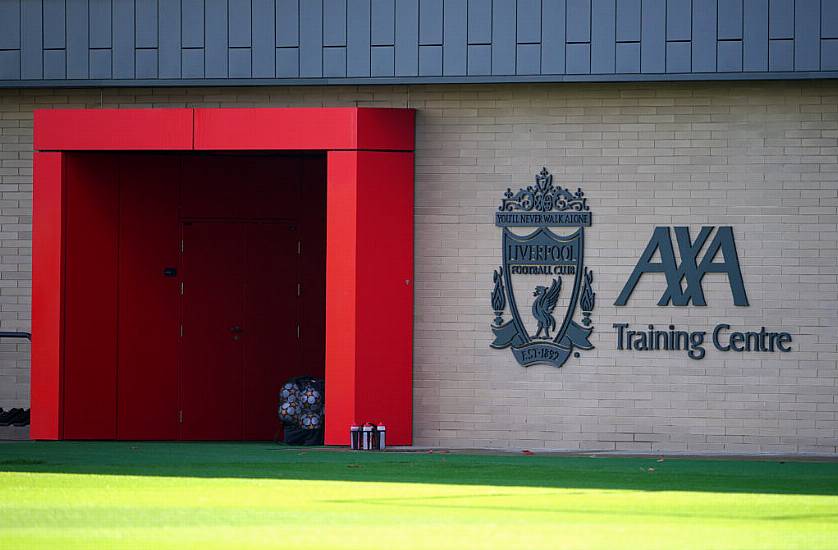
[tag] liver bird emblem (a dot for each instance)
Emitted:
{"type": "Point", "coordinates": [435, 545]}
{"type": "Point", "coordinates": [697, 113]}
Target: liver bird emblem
{"type": "Point", "coordinates": [543, 306]}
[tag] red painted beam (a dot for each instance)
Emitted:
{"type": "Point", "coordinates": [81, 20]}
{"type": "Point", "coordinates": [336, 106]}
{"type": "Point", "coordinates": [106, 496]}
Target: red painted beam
{"type": "Point", "coordinates": [369, 293]}
{"type": "Point", "coordinates": [386, 129]}
{"type": "Point", "coordinates": [113, 130]}
{"type": "Point", "coordinates": [340, 128]}
{"type": "Point", "coordinates": [47, 296]}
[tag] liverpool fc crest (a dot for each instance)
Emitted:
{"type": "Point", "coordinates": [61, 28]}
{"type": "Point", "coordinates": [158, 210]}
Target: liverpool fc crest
{"type": "Point", "coordinates": [543, 255]}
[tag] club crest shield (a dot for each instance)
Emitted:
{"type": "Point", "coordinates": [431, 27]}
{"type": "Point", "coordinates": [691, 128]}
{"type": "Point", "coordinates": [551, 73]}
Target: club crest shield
{"type": "Point", "coordinates": [543, 279]}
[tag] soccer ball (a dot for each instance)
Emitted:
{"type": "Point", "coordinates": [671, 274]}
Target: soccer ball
{"type": "Point", "coordinates": [311, 398]}
{"type": "Point", "coordinates": [290, 392]}
{"type": "Point", "coordinates": [289, 412]}
{"type": "Point", "coordinates": [310, 420]}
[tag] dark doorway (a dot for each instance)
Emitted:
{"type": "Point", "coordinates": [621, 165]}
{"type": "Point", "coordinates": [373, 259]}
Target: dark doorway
{"type": "Point", "coordinates": [208, 286]}
{"type": "Point", "coordinates": [240, 336]}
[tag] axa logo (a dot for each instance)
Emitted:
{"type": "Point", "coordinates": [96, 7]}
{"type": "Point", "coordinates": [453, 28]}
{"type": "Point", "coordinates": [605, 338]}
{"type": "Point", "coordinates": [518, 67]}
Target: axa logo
{"type": "Point", "coordinates": [684, 280]}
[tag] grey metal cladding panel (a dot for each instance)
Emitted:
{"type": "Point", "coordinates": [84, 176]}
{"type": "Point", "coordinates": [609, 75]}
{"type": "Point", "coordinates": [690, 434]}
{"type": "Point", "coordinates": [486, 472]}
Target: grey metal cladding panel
{"type": "Point", "coordinates": [54, 24]}
{"type": "Point", "coordinates": [240, 23]}
{"type": "Point", "coordinates": [239, 62]}
{"type": "Point", "coordinates": [215, 49]}
{"type": "Point", "coordinates": [553, 36]}
{"type": "Point", "coordinates": [169, 53]}
{"type": "Point", "coordinates": [678, 57]}
{"type": "Point", "coordinates": [241, 39]}
{"type": "Point", "coordinates": [678, 20]}
{"type": "Point", "coordinates": [9, 64]}
{"type": "Point", "coordinates": [578, 20]}
{"type": "Point", "coordinates": [407, 38]}
{"type": "Point", "coordinates": [829, 54]}
{"type": "Point", "coordinates": [653, 31]}
{"type": "Point", "coordinates": [704, 36]}
{"type": "Point", "coordinates": [628, 21]}
{"type": "Point", "coordinates": [10, 25]}
{"type": "Point", "coordinates": [578, 58]}
{"type": "Point", "coordinates": [454, 35]}
{"type": "Point", "coordinates": [730, 19]}
{"type": "Point", "coordinates": [263, 38]}
{"type": "Point", "coordinates": [78, 56]}
{"type": "Point", "coordinates": [528, 22]}
{"type": "Point", "coordinates": [504, 50]}
{"type": "Point", "coordinates": [287, 62]}
{"type": "Point", "coordinates": [528, 59]}
{"type": "Point", "coordinates": [31, 47]}
{"type": "Point", "coordinates": [147, 17]}
{"type": "Point", "coordinates": [430, 22]}
{"type": "Point", "coordinates": [100, 24]}
{"type": "Point", "coordinates": [781, 55]}
{"type": "Point", "coordinates": [430, 60]}
{"type": "Point", "coordinates": [729, 56]}
{"type": "Point", "coordinates": [479, 21]}
{"type": "Point", "coordinates": [146, 63]}
{"type": "Point", "coordinates": [755, 39]}
{"type": "Point", "coordinates": [781, 19]}
{"type": "Point", "coordinates": [807, 33]}
{"type": "Point", "coordinates": [334, 22]}
{"type": "Point", "coordinates": [603, 31]}
{"type": "Point", "coordinates": [55, 65]}
{"type": "Point", "coordinates": [123, 39]}
{"type": "Point", "coordinates": [101, 66]}
{"type": "Point", "coordinates": [334, 61]}
{"type": "Point", "coordinates": [628, 57]}
{"type": "Point", "coordinates": [829, 19]}
{"type": "Point", "coordinates": [192, 63]}
{"type": "Point", "coordinates": [192, 25]}
{"type": "Point", "coordinates": [311, 38]}
{"type": "Point", "coordinates": [358, 38]}
{"type": "Point", "coordinates": [287, 23]}
{"type": "Point", "coordinates": [383, 23]}
{"type": "Point", "coordinates": [479, 59]}
{"type": "Point", "coordinates": [382, 61]}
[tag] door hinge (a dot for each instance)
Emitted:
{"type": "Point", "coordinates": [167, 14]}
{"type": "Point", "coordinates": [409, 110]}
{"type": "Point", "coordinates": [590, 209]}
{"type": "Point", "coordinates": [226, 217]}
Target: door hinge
{"type": "Point", "coordinates": [299, 247]}
{"type": "Point", "coordinates": [181, 330]}
{"type": "Point", "coordinates": [181, 246]}
{"type": "Point", "coordinates": [180, 417]}
{"type": "Point", "coordinates": [298, 289]}
{"type": "Point", "coordinates": [181, 288]}
{"type": "Point", "coordinates": [298, 331]}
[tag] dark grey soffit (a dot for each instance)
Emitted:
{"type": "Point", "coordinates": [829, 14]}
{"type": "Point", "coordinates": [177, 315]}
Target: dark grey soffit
{"type": "Point", "coordinates": [275, 42]}
{"type": "Point", "coordinates": [419, 80]}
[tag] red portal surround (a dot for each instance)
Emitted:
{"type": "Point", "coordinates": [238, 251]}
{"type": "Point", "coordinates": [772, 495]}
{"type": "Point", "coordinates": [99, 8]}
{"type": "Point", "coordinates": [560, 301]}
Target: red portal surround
{"type": "Point", "coordinates": [369, 242]}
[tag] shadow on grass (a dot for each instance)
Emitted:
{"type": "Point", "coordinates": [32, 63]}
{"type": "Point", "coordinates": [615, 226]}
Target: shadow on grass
{"type": "Point", "coordinates": [268, 461]}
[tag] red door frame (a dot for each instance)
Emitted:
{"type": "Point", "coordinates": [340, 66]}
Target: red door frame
{"type": "Point", "coordinates": [369, 247]}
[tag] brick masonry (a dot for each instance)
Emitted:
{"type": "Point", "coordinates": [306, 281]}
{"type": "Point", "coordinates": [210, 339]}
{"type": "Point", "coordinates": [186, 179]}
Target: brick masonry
{"type": "Point", "coordinates": [760, 156]}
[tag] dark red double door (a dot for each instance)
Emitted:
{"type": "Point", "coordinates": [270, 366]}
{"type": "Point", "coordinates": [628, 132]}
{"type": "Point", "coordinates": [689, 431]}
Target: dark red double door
{"type": "Point", "coordinates": [239, 327]}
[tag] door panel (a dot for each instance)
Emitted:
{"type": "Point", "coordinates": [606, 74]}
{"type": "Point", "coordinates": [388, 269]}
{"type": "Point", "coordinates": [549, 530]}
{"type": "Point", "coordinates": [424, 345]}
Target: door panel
{"type": "Point", "coordinates": [92, 195]}
{"type": "Point", "coordinates": [148, 298]}
{"type": "Point", "coordinates": [213, 298]}
{"type": "Point", "coordinates": [271, 346]}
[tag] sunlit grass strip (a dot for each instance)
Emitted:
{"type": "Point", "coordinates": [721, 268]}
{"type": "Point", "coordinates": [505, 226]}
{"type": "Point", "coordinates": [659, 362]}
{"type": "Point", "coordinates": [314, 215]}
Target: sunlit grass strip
{"type": "Point", "coordinates": [161, 496]}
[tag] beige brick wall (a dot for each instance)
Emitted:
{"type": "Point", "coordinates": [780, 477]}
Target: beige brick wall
{"type": "Point", "coordinates": [762, 157]}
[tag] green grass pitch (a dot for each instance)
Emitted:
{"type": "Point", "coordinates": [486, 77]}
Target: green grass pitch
{"type": "Point", "coordinates": [209, 495]}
